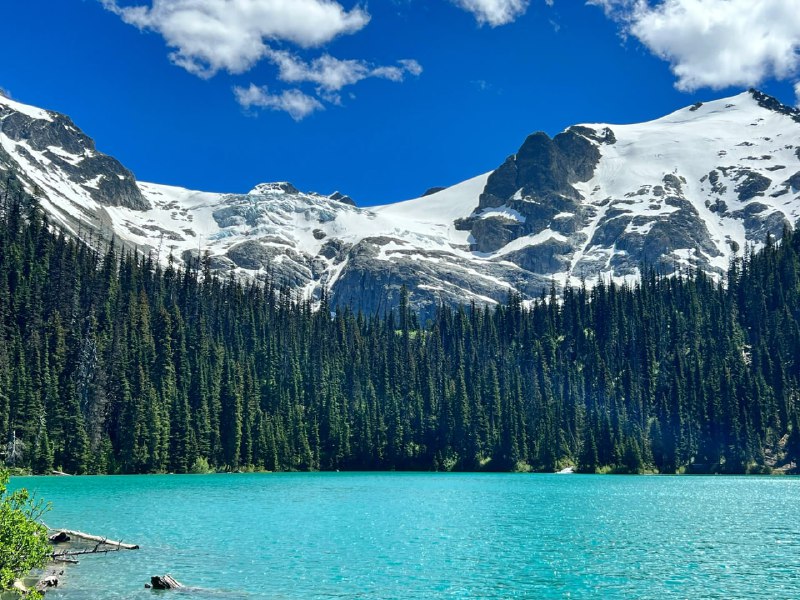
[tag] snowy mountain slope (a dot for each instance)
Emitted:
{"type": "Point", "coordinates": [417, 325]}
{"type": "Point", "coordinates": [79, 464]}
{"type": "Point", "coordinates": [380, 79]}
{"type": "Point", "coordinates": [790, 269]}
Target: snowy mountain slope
{"type": "Point", "coordinates": [723, 165]}
{"type": "Point", "coordinates": [60, 162]}
{"type": "Point", "coordinates": [688, 190]}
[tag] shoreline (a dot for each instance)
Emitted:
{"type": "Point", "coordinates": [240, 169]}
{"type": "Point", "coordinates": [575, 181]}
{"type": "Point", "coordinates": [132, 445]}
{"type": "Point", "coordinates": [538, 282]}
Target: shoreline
{"type": "Point", "coordinates": [777, 472]}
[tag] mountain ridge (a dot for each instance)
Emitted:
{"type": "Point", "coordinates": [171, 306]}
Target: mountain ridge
{"type": "Point", "coordinates": [688, 190]}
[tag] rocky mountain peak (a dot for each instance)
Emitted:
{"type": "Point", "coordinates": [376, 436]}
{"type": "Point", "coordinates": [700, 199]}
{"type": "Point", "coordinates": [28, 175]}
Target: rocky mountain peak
{"type": "Point", "coordinates": [55, 157]}
{"type": "Point", "coordinates": [433, 190]}
{"type": "Point", "coordinates": [344, 199]}
{"type": "Point", "coordinates": [533, 186]}
{"type": "Point", "coordinates": [775, 105]}
{"type": "Point", "coordinates": [686, 191]}
{"type": "Point", "coordinates": [277, 187]}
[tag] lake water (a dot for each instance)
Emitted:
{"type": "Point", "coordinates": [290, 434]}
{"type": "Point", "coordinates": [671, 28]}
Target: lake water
{"type": "Point", "coordinates": [429, 536]}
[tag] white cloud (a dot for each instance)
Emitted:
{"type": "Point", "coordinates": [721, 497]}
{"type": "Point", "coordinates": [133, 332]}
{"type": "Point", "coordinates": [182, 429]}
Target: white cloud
{"type": "Point", "coordinates": [332, 74]}
{"type": "Point", "coordinates": [797, 93]}
{"type": "Point", "coordinates": [231, 35]}
{"type": "Point", "coordinates": [495, 12]}
{"type": "Point", "coordinates": [411, 66]}
{"type": "Point", "coordinates": [209, 36]}
{"type": "Point", "coordinates": [614, 8]}
{"type": "Point", "coordinates": [294, 102]}
{"type": "Point", "coordinates": [715, 43]}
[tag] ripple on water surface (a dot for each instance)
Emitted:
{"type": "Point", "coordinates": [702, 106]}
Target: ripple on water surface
{"type": "Point", "coordinates": [429, 536]}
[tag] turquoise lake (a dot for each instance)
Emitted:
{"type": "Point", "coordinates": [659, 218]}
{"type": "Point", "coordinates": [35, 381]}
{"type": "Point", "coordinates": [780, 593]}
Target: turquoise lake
{"type": "Point", "coordinates": [429, 536]}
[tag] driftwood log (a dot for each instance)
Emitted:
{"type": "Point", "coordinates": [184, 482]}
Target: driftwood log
{"type": "Point", "coordinates": [67, 553]}
{"type": "Point", "coordinates": [101, 545]}
{"type": "Point", "coordinates": [97, 538]}
{"type": "Point", "coordinates": [164, 582]}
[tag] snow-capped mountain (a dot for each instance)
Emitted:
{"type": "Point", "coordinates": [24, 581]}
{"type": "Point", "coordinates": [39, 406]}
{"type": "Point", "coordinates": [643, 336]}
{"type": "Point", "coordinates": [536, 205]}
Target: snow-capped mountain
{"type": "Point", "coordinates": [688, 190]}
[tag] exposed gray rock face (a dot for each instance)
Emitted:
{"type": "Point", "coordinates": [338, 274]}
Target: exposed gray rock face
{"type": "Point", "coordinates": [274, 187]}
{"type": "Point", "coordinates": [543, 170]}
{"type": "Point", "coordinates": [373, 284]}
{"type": "Point", "coordinates": [433, 190]}
{"type": "Point", "coordinates": [687, 191]}
{"type": "Point", "coordinates": [251, 255]}
{"type": "Point", "coordinates": [493, 233]}
{"type": "Point", "coordinates": [339, 197]}
{"type": "Point", "coordinates": [551, 256]}
{"type": "Point", "coordinates": [580, 230]}
{"type": "Point", "coordinates": [221, 264]}
{"type": "Point", "coordinates": [536, 187]}
{"type": "Point", "coordinates": [536, 184]}
{"type": "Point", "coordinates": [57, 145]}
{"type": "Point", "coordinates": [760, 221]}
{"type": "Point", "coordinates": [751, 184]}
{"type": "Point", "coordinates": [653, 242]}
{"type": "Point", "coordinates": [774, 105]}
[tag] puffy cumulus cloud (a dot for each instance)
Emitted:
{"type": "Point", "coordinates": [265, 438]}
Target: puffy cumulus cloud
{"type": "Point", "coordinates": [715, 43]}
{"type": "Point", "coordinates": [332, 74]}
{"type": "Point", "coordinates": [797, 93]}
{"type": "Point", "coordinates": [209, 36]}
{"type": "Point", "coordinates": [294, 102]}
{"type": "Point", "coordinates": [495, 12]}
{"type": "Point", "coordinates": [232, 35]}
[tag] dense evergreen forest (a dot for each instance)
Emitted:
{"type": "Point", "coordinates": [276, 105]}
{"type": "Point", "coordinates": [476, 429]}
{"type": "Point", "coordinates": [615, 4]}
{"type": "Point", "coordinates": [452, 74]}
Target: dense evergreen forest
{"type": "Point", "coordinates": [110, 363]}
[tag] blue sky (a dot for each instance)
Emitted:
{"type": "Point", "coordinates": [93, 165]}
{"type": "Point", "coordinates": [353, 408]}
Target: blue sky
{"type": "Point", "coordinates": [379, 100]}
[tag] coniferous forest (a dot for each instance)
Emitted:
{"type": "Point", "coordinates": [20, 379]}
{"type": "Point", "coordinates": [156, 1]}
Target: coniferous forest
{"type": "Point", "coordinates": [110, 363]}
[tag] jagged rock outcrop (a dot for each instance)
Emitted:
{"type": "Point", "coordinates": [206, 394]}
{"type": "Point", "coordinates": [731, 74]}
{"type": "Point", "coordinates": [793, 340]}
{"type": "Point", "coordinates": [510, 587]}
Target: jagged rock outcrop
{"type": "Point", "coordinates": [339, 197]}
{"type": "Point", "coordinates": [432, 191]}
{"type": "Point", "coordinates": [687, 191]}
{"type": "Point", "coordinates": [49, 142]}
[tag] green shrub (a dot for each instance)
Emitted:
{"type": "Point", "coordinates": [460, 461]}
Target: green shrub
{"type": "Point", "coordinates": [200, 466]}
{"type": "Point", "coordinates": [23, 539]}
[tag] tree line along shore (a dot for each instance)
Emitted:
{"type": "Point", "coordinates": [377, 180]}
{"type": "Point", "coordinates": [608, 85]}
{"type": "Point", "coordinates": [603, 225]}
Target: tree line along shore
{"type": "Point", "coordinates": [113, 363]}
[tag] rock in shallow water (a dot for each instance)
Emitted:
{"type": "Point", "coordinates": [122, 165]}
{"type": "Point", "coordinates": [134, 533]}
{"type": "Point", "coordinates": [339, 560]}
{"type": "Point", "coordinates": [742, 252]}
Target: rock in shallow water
{"type": "Point", "coordinates": [163, 582]}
